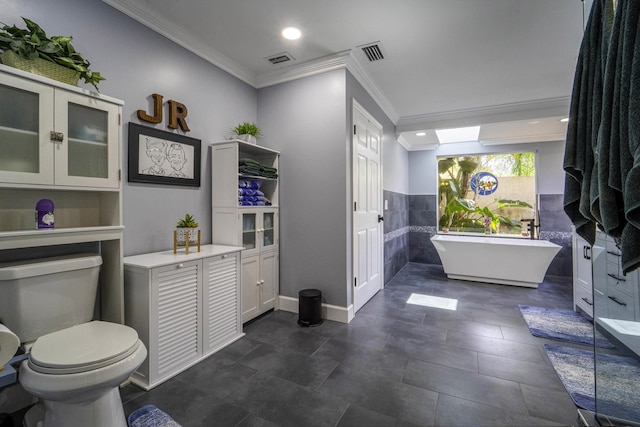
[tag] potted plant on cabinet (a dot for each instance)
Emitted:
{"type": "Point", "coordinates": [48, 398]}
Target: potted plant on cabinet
{"type": "Point", "coordinates": [186, 233]}
{"type": "Point", "coordinates": [31, 50]}
{"type": "Point", "coordinates": [248, 132]}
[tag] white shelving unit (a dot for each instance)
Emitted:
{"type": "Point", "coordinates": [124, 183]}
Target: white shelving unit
{"type": "Point", "coordinates": [255, 228]}
{"type": "Point", "coordinates": [62, 143]}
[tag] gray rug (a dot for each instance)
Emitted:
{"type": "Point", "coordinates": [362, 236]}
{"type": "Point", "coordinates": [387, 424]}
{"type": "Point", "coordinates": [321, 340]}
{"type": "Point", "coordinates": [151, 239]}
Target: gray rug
{"type": "Point", "coordinates": [618, 380]}
{"type": "Point", "coordinates": [150, 416]}
{"type": "Point", "coordinates": [563, 325]}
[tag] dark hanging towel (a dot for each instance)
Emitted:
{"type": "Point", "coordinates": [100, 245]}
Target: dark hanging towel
{"type": "Point", "coordinates": [630, 134]}
{"type": "Point", "coordinates": [609, 203]}
{"type": "Point", "coordinates": [584, 120]}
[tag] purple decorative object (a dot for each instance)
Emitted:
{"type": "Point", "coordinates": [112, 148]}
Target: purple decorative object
{"type": "Point", "coordinates": [44, 214]}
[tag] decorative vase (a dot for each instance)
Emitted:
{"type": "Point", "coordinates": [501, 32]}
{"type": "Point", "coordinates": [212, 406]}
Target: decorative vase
{"type": "Point", "coordinates": [248, 138]}
{"type": "Point", "coordinates": [181, 235]}
{"type": "Point", "coordinates": [41, 67]}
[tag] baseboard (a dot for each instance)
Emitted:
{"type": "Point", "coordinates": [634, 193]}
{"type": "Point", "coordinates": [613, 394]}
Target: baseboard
{"type": "Point", "coordinates": [329, 312]}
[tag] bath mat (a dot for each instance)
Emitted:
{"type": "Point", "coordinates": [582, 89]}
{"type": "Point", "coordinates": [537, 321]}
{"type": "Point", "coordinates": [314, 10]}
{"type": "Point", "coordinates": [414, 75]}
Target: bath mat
{"type": "Point", "coordinates": [150, 416]}
{"type": "Point", "coordinates": [618, 380]}
{"type": "Point", "coordinates": [563, 325]}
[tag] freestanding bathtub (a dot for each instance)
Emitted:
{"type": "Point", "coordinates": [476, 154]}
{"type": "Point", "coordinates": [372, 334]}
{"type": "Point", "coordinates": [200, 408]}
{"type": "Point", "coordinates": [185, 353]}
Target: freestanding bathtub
{"type": "Point", "coordinates": [506, 261]}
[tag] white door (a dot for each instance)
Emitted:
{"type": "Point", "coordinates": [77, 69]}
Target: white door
{"type": "Point", "coordinates": [367, 207]}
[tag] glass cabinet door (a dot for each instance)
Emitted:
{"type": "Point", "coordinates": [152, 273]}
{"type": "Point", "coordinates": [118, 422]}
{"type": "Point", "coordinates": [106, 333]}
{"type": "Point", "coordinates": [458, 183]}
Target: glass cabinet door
{"type": "Point", "coordinates": [269, 229]}
{"type": "Point", "coordinates": [26, 118]}
{"type": "Point", "coordinates": [88, 153]}
{"type": "Point", "coordinates": [249, 231]}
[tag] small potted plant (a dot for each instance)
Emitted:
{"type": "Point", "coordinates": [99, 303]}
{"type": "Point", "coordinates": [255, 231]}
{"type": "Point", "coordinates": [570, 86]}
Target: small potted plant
{"type": "Point", "coordinates": [31, 50]}
{"type": "Point", "coordinates": [187, 226]}
{"type": "Point", "coordinates": [248, 132]}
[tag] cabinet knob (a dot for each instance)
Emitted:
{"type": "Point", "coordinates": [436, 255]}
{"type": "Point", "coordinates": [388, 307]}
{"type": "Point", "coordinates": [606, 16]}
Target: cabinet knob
{"type": "Point", "coordinates": [224, 256]}
{"type": "Point", "coordinates": [258, 284]}
{"type": "Point", "coordinates": [261, 282]}
{"type": "Point", "coordinates": [180, 265]}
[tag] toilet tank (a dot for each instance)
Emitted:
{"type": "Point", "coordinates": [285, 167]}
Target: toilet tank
{"type": "Point", "coordinates": [45, 295]}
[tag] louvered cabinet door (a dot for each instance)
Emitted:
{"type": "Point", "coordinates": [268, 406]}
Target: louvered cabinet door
{"type": "Point", "coordinates": [222, 322]}
{"type": "Point", "coordinates": [176, 341]}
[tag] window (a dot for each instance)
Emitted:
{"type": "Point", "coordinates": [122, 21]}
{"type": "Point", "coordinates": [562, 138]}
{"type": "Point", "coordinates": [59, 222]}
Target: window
{"type": "Point", "coordinates": [489, 194]}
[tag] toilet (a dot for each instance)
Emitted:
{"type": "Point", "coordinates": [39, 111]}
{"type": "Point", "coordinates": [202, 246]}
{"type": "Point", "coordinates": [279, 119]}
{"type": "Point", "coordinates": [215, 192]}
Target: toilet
{"type": "Point", "coordinates": [75, 364]}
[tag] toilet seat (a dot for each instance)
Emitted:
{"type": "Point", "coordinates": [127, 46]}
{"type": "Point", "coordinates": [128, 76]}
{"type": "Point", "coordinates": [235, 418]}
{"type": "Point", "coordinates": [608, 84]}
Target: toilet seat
{"type": "Point", "coordinates": [83, 348]}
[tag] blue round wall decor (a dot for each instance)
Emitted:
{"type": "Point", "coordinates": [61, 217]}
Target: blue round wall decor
{"type": "Point", "coordinates": [485, 182]}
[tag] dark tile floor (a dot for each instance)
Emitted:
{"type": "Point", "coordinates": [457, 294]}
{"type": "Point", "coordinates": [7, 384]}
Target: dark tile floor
{"type": "Point", "coordinates": [395, 364]}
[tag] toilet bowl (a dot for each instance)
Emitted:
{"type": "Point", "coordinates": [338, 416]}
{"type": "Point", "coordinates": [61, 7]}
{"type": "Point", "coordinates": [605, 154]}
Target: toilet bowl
{"type": "Point", "coordinates": [76, 372]}
{"type": "Point", "coordinates": [76, 364]}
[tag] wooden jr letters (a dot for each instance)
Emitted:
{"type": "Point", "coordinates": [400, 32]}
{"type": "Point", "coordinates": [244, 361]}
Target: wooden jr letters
{"type": "Point", "coordinates": [177, 113]}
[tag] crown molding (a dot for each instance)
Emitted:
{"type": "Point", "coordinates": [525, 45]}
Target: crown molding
{"type": "Point", "coordinates": [139, 11]}
{"type": "Point", "coordinates": [355, 68]}
{"type": "Point", "coordinates": [416, 147]}
{"type": "Point", "coordinates": [305, 69]}
{"type": "Point", "coordinates": [523, 139]}
{"type": "Point", "coordinates": [403, 142]}
{"type": "Point", "coordinates": [535, 109]}
{"type": "Point", "coordinates": [344, 59]}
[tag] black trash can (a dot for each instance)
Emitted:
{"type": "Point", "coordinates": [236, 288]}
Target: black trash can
{"type": "Point", "coordinates": [309, 307]}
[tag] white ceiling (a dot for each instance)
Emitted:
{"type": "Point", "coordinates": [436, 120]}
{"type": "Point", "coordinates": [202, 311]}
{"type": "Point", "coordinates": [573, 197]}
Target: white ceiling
{"type": "Point", "coordinates": [447, 63]}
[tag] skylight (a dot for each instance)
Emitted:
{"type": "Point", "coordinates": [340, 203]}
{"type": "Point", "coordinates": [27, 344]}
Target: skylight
{"type": "Point", "coordinates": [446, 136]}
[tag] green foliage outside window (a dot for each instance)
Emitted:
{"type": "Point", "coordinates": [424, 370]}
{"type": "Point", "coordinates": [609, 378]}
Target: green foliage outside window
{"type": "Point", "coordinates": [466, 211]}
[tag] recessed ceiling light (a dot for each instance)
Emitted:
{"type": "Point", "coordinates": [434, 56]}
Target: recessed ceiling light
{"type": "Point", "coordinates": [291, 33]}
{"type": "Point", "coordinates": [421, 134]}
{"type": "Point", "coordinates": [458, 134]}
{"type": "Point", "coordinates": [565, 120]}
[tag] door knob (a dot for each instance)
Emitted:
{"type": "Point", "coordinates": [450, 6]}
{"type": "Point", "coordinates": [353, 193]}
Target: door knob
{"type": "Point", "coordinates": [380, 218]}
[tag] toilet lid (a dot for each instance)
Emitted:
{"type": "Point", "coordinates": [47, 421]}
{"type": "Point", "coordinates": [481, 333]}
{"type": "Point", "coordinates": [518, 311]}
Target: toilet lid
{"type": "Point", "coordinates": [83, 348]}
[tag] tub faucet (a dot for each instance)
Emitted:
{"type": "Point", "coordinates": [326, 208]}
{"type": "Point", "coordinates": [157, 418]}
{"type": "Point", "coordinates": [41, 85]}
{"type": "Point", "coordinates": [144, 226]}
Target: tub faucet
{"type": "Point", "coordinates": [531, 227]}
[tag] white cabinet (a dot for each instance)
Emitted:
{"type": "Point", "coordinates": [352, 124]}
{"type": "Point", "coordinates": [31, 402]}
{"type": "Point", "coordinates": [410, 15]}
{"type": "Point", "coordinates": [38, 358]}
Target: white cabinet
{"type": "Point", "coordinates": [259, 230]}
{"type": "Point", "coordinates": [259, 284]}
{"type": "Point", "coordinates": [62, 143]}
{"type": "Point", "coordinates": [616, 291]}
{"type": "Point", "coordinates": [582, 275]}
{"type": "Point", "coordinates": [53, 136]}
{"type": "Point", "coordinates": [254, 227]}
{"type": "Point", "coordinates": [184, 307]}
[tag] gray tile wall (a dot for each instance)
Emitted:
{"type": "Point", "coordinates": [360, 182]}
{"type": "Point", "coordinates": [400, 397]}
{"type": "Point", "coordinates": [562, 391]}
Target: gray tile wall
{"type": "Point", "coordinates": [422, 224]}
{"type": "Point", "coordinates": [410, 222]}
{"type": "Point", "coordinates": [554, 226]}
{"type": "Point", "coordinates": [396, 233]}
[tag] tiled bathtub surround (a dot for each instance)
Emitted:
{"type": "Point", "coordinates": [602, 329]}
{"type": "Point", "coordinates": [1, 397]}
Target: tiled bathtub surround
{"type": "Point", "coordinates": [422, 222]}
{"type": "Point", "coordinates": [410, 222]}
{"type": "Point", "coordinates": [396, 233]}
{"type": "Point", "coordinates": [555, 226]}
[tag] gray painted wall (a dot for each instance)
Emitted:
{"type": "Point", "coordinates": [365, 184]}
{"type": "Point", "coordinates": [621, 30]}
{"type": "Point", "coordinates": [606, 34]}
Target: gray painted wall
{"type": "Point", "coordinates": [309, 122]}
{"type": "Point", "coordinates": [138, 62]}
{"type": "Point", "coordinates": [306, 121]}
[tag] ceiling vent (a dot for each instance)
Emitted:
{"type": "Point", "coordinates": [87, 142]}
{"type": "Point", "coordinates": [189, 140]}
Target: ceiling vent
{"type": "Point", "coordinates": [373, 51]}
{"type": "Point", "coordinates": [280, 58]}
